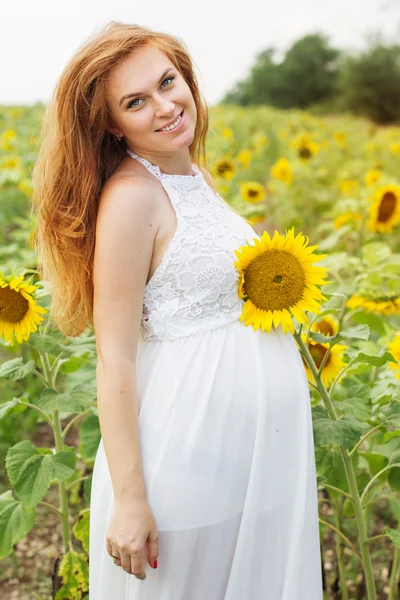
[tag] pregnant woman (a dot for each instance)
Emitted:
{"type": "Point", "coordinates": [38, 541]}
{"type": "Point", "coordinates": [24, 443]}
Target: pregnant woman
{"type": "Point", "coordinates": [204, 484]}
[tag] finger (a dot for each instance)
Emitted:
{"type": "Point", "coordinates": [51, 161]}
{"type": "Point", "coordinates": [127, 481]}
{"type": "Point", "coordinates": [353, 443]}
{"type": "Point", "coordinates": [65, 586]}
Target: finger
{"type": "Point", "coordinates": [137, 561]}
{"type": "Point", "coordinates": [126, 562]}
{"type": "Point", "coordinates": [109, 547]}
{"type": "Point", "coordinates": [152, 547]}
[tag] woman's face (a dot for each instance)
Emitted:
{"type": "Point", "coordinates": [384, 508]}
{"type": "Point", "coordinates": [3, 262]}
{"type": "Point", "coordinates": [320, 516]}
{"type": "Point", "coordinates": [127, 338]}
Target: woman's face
{"type": "Point", "coordinates": [145, 93]}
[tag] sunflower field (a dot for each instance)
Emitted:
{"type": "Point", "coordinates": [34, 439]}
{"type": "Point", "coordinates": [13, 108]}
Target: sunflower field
{"type": "Point", "coordinates": [298, 179]}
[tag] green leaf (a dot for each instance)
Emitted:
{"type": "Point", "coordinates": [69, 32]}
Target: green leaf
{"type": "Point", "coordinates": [81, 529]}
{"type": "Point", "coordinates": [393, 534]}
{"type": "Point", "coordinates": [89, 438]}
{"type": "Point", "coordinates": [376, 463]}
{"type": "Point", "coordinates": [76, 402]}
{"type": "Point", "coordinates": [15, 522]}
{"type": "Point", "coordinates": [329, 464]}
{"type": "Point", "coordinates": [74, 570]}
{"type": "Point", "coordinates": [359, 332]}
{"type": "Point", "coordinates": [6, 406]}
{"type": "Point", "coordinates": [15, 369]}
{"type": "Point", "coordinates": [64, 464]}
{"type": "Point", "coordinates": [44, 343]}
{"type": "Point", "coordinates": [391, 414]}
{"type": "Point", "coordinates": [345, 431]}
{"type": "Point", "coordinates": [29, 472]}
{"type": "Point", "coordinates": [377, 361]}
{"type": "Point", "coordinates": [375, 322]}
{"type": "Point", "coordinates": [73, 364]}
{"type": "Point", "coordinates": [374, 253]}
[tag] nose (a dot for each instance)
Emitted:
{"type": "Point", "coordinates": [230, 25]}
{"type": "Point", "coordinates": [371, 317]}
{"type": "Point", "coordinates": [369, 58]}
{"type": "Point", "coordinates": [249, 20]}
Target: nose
{"type": "Point", "coordinates": [163, 107]}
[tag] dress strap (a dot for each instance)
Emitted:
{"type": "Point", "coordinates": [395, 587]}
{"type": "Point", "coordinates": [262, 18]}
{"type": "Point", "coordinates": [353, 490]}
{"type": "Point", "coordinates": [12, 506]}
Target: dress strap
{"type": "Point", "coordinates": [154, 169]}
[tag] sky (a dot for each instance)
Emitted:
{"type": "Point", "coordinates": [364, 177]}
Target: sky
{"type": "Point", "coordinates": [39, 38]}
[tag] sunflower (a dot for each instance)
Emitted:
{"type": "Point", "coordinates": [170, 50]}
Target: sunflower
{"type": "Point", "coordinates": [244, 157]}
{"type": "Point", "coordinates": [372, 176]}
{"type": "Point", "coordinates": [227, 133]}
{"type": "Point", "coordinates": [11, 162]}
{"type": "Point", "coordinates": [345, 217]}
{"type": "Point", "coordinates": [26, 187]}
{"type": "Point", "coordinates": [383, 305]}
{"type": "Point", "coordinates": [349, 186]}
{"type": "Point", "coordinates": [394, 148]}
{"type": "Point", "coordinates": [224, 168]}
{"type": "Point", "coordinates": [334, 363]}
{"type": "Point", "coordinates": [327, 325]}
{"type": "Point", "coordinates": [5, 138]}
{"type": "Point", "coordinates": [19, 313]}
{"type": "Point", "coordinates": [257, 218]}
{"type": "Point", "coordinates": [385, 209]}
{"type": "Point", "coordinates": [282, 171]}
{"type": "Point", "coordinates": [340, 138]}
{"type": "Point", "coordinates": [252, 192]}
{"type": "Point", "coordinates": [394, 349]}
{"type": "Point", "coordinates": [278, 280]}
{"type": "Point", "coordinates": [305, 147]}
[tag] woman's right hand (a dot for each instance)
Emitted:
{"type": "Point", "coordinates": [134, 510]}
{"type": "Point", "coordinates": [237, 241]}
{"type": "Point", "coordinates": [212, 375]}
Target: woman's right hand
{"type": "Point", "coordinates": [132, 535]}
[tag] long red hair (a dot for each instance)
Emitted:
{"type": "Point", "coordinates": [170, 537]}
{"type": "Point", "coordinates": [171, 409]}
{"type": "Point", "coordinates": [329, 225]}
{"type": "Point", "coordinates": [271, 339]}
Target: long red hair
{"type": "Point", "coordinates": [78, 154]}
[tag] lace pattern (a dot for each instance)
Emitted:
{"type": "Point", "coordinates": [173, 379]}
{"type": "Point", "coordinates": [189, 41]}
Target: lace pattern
{"type": "Point", "coordinates": [196, 285]}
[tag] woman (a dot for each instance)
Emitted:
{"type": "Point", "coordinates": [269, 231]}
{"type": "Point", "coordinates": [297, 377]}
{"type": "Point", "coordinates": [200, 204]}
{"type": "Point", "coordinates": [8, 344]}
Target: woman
{"type": "Point", "coordinates": [206, 461]}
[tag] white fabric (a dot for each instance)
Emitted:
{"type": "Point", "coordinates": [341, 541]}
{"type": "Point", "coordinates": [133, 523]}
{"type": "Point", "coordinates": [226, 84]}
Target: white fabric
{"type": "Point", "coordinates": [225, 430]}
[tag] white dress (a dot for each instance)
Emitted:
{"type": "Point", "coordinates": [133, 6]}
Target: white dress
{"type": "Point", "coordinates": [225, 430]}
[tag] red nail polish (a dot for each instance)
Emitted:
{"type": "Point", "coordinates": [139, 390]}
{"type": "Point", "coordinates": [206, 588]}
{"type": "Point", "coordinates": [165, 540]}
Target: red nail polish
{"type": "Point", "coordinates": [155, 565]}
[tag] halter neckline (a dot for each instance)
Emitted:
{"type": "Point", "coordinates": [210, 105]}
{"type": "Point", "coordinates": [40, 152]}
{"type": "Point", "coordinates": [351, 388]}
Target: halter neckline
{"type": "Point", "coordinates": [155, 169]}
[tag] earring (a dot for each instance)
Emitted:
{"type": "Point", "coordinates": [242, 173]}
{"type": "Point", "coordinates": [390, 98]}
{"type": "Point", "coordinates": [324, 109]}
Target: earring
{"type": "Point", "coordinates": [118, 137]}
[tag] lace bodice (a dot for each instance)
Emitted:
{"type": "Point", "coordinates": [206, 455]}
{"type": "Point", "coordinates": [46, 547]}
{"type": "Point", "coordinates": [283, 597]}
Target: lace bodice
{"type": "Point", "coordinates": [196, 285]}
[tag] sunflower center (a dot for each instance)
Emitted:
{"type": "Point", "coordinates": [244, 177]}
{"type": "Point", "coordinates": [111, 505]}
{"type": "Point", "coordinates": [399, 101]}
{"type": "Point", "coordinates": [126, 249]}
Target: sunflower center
{"type": "Point", "coordinates": [274, 280]}
{"type": "Point", "coordinates": [325, 328]}
{"type": "Point", "coordinates": [387, 206]}
{"type": "Point", "coordinates": [304, 152]}
{"type": "Point", "coordinates": [317, 352]}
{"type": "Point", "coordinates": [13, 306]}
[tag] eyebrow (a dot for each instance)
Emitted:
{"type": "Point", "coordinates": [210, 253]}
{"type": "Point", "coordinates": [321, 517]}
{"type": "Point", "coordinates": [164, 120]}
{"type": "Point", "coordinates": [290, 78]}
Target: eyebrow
{"type": "Point", "coordinates": [142, 93]}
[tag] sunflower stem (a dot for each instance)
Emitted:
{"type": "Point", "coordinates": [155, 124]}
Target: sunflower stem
{"type": "Point", "coordinates": [59, 443]}
{"type": "Point", "coordinates": [337, 506]}
{"type": "Point", "coordinates": [393, 583]}
{"type": "Point", "coordinates": [350, 475]}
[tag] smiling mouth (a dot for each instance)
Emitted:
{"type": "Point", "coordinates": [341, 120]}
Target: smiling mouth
{"type": "Point", "coordinates": [180, 115]}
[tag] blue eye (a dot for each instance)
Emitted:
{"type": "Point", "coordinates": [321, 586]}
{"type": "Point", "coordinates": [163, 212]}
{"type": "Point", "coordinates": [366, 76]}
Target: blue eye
{"type": "Point", "coordinates": [132, 101]}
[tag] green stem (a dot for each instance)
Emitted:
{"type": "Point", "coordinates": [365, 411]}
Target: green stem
{"type": "Point", "coordinates": [76, 481]}
{"type": "Point", "coordinates": [73, 422]}
{"type": "Point", "coordinates": [350, 474]}
{"type": "Point", "coordinates": [50, 506]}
{"type": "Point", "coordinates": [393, 582]}
{"type": "Point", "coordinates": [57, 428]}
{"type": "Point", "coordinates": [42, 412]}
{"type": "Point", "coordinates": [339, 552]}
{"type": "Point", "coordinates": [341, 534]}
{"type": "Point", "coordinates": [375, 477]}
{"type": "Point", "coordinates": [364, 437]}
{"type": "Point", "coordinates": [335, 489]}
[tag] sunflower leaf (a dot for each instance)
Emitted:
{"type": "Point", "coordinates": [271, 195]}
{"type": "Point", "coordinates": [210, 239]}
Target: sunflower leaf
{"type": "Point", "coordinates": [78, 400]}
{"type": "Point", "coordinates": [4, 408]}
{"type": "Point", "coordinates": [29, 472]}
{"type": "Point", "coordinates": [393, 535]}
{"type": "Point", "coordinates": [392, 414]}
{"type": "Point", "coordinates": [345, 431]}
{"type": "Point", "coordinates": [15, 369]}
{"type": "Point", "coordinates": [377, 361]}
{"type": "Point", "coordinates": [74, 570]}
{"type": "Point", "coordinates": [15, 522]}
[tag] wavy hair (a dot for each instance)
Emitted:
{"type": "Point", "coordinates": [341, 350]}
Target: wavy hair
{"type": "Point", "coordinates": [76, 157]}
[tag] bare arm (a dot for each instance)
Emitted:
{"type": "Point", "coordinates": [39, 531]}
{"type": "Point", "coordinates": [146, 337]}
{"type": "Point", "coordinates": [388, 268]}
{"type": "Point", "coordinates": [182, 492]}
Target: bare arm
{"type": "Point", "coordinates": [125, 232]}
